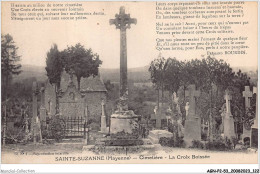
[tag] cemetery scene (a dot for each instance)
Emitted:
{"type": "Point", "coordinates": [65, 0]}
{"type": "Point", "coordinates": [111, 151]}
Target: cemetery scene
{"type": "Point", "coordinates": [200, 104]}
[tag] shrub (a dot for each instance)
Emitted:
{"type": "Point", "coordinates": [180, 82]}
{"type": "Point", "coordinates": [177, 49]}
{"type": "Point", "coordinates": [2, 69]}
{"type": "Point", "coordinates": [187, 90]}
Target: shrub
{"type": "Point", "coordinates": [197, 144]}
{"type": "Point", "coordinates": [204, 136]}
{"type": "Point", "coordinates": [219, 144]}
{"type": "Point", "coordinates": [179, 142]}
{"type": "Point", "coordinates": [165, 141]}
{"type": "Point", "coordinates": [57, 128]}
{"type": "Point", "coordinates": [228, 143]}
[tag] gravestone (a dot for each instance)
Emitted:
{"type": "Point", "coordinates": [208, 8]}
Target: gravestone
{"type": "Point", "coordinates": [254, 133]}
{"type": "Point", "coordinates": [158, 118]}
{"type": "Point", "coordinates": [187, 109]}
{"type": "Point", "coordinates": [229, 130]}
{"type": "Point", "coordinates": [103, 118]}
{"type": "Point", "coordinates": [192, 128]}
{"type": "Point", "coordinates": [34, 105]}
{"type": "Point", "coordinates": [35, 120]}
{"type": "Point", "coordinates": [86, 130]}
{"type": "Point", "coordinates": [155, 135]}
{"type": "Point", "coordinates": [42, 108]}
{"type": "Point", "coordinates": [158, 123]}
{"type": "Point", "coordinates": [246, 129]}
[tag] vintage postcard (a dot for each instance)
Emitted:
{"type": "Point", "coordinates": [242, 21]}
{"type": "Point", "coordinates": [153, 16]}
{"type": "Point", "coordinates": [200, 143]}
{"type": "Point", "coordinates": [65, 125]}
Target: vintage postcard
{"type": "Point", "coordinates": [129, 82]}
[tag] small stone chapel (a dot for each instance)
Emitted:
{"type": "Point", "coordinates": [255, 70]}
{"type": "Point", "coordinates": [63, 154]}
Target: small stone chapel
{"type": "Point", "coordinates": [72, 102]}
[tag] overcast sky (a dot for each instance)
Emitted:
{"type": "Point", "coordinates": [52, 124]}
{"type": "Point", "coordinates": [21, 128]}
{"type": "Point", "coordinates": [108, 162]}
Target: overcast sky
{"type": "Point", "coordinates": [34, 39]}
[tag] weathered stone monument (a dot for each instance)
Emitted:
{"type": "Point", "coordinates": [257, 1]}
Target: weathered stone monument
{"type": "Point", "coordinates": [86, 131]}
{"type": "Point", "coordinates": [123, 119]}
{"type": "Point", "coordinates": [42, 108]}
{"type": "Point", "coordinates": [103, 128]}
{"type": "Point", "coordinates": [35, 120]}
{"type": "Point", "coordinates": [158, 123]}
{"type": "Point", "coordinates": [123, 21]}
{"type": "Point", "coordinates": [254, 132]}
{"type": "Point", "coordinates": [229, 130]}
{"type": "Point", "coordinates": [192, 128]}
{"type": "Point", "coordinates": [246, 128]}
{"type": "Point", "coordinates": [34, 108]}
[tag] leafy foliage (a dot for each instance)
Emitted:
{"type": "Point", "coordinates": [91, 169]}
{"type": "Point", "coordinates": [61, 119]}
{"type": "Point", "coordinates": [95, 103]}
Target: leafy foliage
{"type": "Point", "coordinates": [197, 144]}
{"type": "Point", "coordinates": [54, 65]}
{"type": "Point", "coordinates": [9, 62]}
{"type": "Point", "coordinates": [211, 76]}
{"type": "Point", "coordinates": [57, 128]}
{"type": "Point", "coordinates": [81, 61]}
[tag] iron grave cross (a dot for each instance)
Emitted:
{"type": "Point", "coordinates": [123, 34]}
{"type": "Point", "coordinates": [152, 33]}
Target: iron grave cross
{"type": "Point", "coordinates": [123, 21]}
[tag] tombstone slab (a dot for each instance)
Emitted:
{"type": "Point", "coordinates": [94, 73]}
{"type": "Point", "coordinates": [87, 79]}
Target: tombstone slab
{"type": "Point", "coordinates": [103, 128]}
{"type": "Point", "coordinates": [229, 129]}
{"type": "Point", "coordinates": [155, 135]}
{"type": "Point", "coordinates": [192, 128]}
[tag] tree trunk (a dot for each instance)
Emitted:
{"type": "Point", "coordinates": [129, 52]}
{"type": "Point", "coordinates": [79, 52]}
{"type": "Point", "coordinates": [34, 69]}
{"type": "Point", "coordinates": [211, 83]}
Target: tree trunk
{"type": "Point", "coordinates": [162, 95]}
{"type": "Point", "coordinates": [158, 101]}
{"type": "Point", "coordinates": [57, 99]}
{"type": "Point", "coordinates": [6, 87]}
{"type": "Point", "coordinates": [78, 79]}
{"type": "Point", "coordinates": [210, 117]}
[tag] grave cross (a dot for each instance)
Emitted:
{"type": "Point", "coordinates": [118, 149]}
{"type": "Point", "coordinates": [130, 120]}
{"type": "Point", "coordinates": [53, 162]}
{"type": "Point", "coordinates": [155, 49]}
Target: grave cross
{"type": "Point", "coordinates": [34, 88]}
{"type": "Point", "coordinates": [247, 94]}
{"type": "Point", "coordinates": [227, 97]}
{"type": "Point", "coordinates": [192, 93]}
{"type": "Point", "coordinates": [123, 21]}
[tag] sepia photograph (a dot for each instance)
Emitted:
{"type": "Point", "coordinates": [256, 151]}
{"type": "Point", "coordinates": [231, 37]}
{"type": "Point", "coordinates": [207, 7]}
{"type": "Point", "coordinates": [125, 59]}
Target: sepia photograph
{"type": "Point", "coordinates": [129, 82]}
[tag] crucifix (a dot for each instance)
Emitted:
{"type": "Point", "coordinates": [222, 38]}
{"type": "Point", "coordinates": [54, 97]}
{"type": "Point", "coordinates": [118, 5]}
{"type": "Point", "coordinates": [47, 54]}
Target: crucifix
{"type": "Point", "coordinates": [123, 21]}
{"type": "Point", "coordinates": [192, 93]}
{"type": "Point", "coordinates": [247, 94]}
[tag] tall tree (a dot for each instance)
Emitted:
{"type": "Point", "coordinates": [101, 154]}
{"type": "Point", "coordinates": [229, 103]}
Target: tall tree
{"type": "Point", "coordinates": [9, 62]}
{"type": "Point", "coordinates": [173, 75]}
{"type": "Point", "coordinates": [157, 70]}
{"type": "Point", "coordinates": [54, 67]}
{"type": "Point", "coordinates": [81, 61]}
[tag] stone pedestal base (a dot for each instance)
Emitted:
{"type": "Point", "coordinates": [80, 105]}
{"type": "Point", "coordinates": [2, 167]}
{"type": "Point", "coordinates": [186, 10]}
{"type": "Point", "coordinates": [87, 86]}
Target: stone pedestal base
{"type": "Point", "coordinates": [229, 129]}
{"type": "Point", "coordinates": [192, 130]}
{"type": "Point", "coordinates": [123, 121]}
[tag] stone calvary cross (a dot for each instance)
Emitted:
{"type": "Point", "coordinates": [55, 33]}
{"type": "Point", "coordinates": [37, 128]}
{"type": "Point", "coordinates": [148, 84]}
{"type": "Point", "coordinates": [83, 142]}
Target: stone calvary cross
{"type": "Point", "coordinates": [123, 21]}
